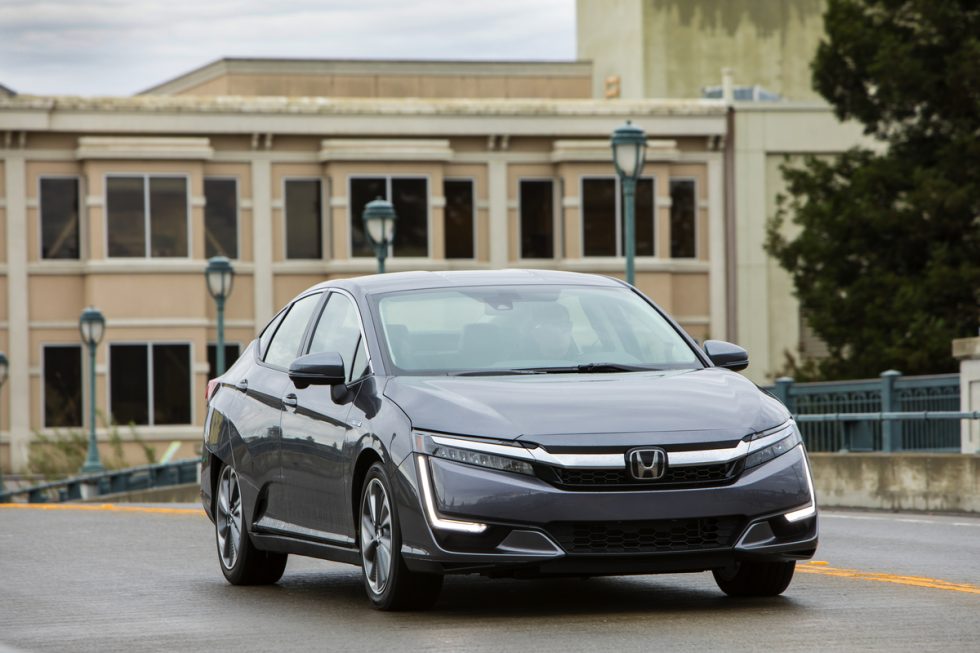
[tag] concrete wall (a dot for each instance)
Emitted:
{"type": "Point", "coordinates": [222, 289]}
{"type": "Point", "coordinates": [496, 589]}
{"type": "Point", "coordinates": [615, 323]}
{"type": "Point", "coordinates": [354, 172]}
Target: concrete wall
{"type": "Point", "coordinates": [673, 48]}
{"type": "Point", "coordinates": [912, 481]}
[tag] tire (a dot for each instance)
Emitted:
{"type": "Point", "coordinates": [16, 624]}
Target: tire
{"type": "Point", "coordinates": [389, 583]}
{"type": "Point", "coordinates": [755, 578]}
{"type": "Point", "coordinates": [240, 561]}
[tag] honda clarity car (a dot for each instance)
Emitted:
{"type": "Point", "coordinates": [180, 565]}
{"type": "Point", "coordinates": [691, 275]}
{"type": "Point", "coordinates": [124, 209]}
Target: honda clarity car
{"type": "Point", "coordinates": [506, 423]}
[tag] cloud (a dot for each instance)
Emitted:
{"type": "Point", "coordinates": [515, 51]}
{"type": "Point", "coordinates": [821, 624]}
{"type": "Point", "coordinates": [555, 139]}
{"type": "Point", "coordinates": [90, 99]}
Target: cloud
{"type": "Point", "coordinates": [118, 47]}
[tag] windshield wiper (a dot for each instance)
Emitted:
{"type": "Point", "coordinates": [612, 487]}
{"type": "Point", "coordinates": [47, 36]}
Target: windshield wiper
{"type": "Point", "coordinates": [492, 372]}
{"type": "Point", "coordinates": [591, 368]}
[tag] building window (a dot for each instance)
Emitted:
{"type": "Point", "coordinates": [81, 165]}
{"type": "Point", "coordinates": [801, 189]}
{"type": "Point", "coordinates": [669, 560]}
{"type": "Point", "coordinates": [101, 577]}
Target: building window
{"type": "Point", "coordinates": [59, 217]}
{"type": "Point", "coordinates": [304, 226]}
{"type": "Point", "coordinates": [150, 384]}
{"type": "Point", "coordinates": [683, 218]}
{"type": "Point", "coordinates": [460, 218]}
{"type": "Point", "coordinates": [409, 196]}
{"type": "Point", "coordinates": [603, 230]}
{"type": "Point", "coordinates": [146, 216]}
{"type": "Point", "coordinates": [62, 385]}
{"type": "Point", "coordinates": [232, 352]}
{"type": "Point", "coordinates": [537, 202]}
{"type": "Point", "coordinates": [220, 217]}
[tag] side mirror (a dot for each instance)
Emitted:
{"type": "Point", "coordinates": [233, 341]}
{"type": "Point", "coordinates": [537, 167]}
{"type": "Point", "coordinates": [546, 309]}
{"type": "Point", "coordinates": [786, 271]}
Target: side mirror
{"type": "Point", "coordinates": [725, 354]}
{"type": "Point", "coordinates": [325, 368]}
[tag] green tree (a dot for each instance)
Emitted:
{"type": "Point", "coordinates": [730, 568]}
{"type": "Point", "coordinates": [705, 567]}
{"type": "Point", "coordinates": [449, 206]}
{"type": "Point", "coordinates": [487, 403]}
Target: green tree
{"type": "Point", "coordinates": [886, 256]}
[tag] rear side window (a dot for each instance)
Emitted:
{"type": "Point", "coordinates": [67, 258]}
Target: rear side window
{"type": "Point", "coordinates": [287, 339]}
{"type": "Point", "coordinates": [268, 332]}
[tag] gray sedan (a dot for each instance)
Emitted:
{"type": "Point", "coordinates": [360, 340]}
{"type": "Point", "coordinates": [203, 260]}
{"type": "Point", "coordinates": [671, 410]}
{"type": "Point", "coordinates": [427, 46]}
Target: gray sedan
{"type": "Point", "coordinates": [507, 423]}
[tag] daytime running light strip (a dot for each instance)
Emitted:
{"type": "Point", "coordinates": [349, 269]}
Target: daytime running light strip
{"type": "Point", "coordinates": [811, 509]}
{"type": "Point", "coordinates": [434, 519]}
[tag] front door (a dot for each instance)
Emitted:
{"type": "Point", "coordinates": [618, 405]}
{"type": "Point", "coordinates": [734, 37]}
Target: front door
{"type": "Point", "coordinates": [316, 422]}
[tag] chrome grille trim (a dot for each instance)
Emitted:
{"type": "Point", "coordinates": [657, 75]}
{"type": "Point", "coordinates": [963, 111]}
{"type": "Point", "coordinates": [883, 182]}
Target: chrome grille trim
{"type": "Point", "coordinates": [616, 460]}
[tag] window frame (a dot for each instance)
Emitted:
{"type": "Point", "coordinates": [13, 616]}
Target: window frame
{"type": "Point", "coordinates": [149, 381]}
{"type": "Point", "coordinates": [82, 218]}
{"type": "Point", "coordinates": [238, 211]}
{"type": "Point", "coordinates": [83, 386]}
{"type": "Point", "coordinates": [472, 182]}
{"type": "Point", "coordinates": [147, 235]}
{"type": "Point", "coordinates": [324, 224]}
{"type": "Point", "coordinates": [388, 177]}
{"type": "Point", "coordinates": [697, 218]}
{"type": "Point", "coordinates": [555, 218]}
{"type": "Point", "coordinates": [620, 218]}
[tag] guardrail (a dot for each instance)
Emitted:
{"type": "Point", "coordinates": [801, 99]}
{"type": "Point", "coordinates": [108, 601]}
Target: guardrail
{"type": "Point", "coordinates": [110, 482]}
{"type": "Point", "coordinates": [891, 393]}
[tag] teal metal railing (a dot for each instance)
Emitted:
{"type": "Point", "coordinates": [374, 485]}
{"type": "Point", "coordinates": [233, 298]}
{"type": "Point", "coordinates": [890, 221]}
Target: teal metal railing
{"type": "Point", "coordinates": [91, 486]}
{"type": "Point", "coordinates": [890, 393]}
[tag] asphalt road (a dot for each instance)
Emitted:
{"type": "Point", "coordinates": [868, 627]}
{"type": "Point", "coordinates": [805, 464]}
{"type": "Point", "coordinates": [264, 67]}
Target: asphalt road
{"type": "Point", "coordinates": [103, 580]}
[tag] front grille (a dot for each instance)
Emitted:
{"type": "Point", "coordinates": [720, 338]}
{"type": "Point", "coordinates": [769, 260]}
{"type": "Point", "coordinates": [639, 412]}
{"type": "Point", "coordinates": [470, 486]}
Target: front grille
{"type": "Point", "coordinates": [660, 536]}
{"type": "Point", "coordinates": [674, 477]}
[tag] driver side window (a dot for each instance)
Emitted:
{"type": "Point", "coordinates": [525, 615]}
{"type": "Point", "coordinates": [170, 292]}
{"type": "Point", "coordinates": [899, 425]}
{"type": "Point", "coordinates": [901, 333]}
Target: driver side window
{"type": "Point", "coordinates": [339, 330]}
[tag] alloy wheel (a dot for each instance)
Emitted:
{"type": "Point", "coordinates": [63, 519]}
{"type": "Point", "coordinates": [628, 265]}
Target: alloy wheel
{"type": "Point", "coordinates": [228, 518]}
{"type": "Point", "coordinates": [376, 552]}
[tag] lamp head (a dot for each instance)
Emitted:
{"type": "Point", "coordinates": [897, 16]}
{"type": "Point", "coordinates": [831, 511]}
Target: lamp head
{"type": "Point", "coordinates": [91, 325]}
{"type": "Point", "coordinates": [379, 221]}
{"type": "Point", "coordinates": [629, 144]}
{"type": "Point", "coordinates": [220, 276]}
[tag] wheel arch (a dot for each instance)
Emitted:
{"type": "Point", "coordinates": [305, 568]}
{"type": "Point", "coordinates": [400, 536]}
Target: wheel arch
{"type": "Point", "coordinates": [370, 454]}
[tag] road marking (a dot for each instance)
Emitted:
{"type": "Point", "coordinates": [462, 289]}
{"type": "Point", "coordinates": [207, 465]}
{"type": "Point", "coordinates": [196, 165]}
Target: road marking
{"type": "Point", "coordinates": [106, 507]}
{"type": "Point", "coordinates": [914, 581]}
{"type": "Point", "coordinates": [904, 520]}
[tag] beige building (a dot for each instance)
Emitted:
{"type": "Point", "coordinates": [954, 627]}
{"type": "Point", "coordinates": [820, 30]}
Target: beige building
{"type": "Point", "coordinates": [118, 203]}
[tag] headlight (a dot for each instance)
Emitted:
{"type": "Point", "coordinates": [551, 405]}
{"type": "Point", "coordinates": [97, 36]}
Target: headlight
{"type": "Point", "coordinates": [481, 453]}
{"type": "Point", "coordinates": [770, 444]}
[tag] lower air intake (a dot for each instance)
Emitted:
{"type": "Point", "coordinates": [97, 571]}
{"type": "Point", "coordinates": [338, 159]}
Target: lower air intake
{"type": "Point", "coordinates": [661, 536]}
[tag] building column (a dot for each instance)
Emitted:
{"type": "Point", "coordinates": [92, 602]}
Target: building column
{"type": "Point", "coordinates": [497, 197]}
{"type": "Point", "coordinates": [262, 240]}
{"type": "Point", "coordinates": [717, 248]}
{"type": "Point", "coordinates": [18, 341]}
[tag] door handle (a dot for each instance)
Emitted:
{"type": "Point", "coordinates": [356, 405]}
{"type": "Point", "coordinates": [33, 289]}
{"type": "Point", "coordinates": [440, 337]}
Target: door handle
{"type": "Point", "coordinates": [242, 385]}
{"type": "Point", "coordinates": [289, 400]}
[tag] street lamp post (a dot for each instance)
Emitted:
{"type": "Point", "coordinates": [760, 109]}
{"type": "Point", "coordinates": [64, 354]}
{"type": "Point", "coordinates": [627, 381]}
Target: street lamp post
{"type": "Point", "coordinates": [92, 327]}
{"type": "Point", "coordinates": [4, 367]}
{"type": "Point", "coordinates": [220, 276]}
{"type": "Point", "coordinates": [379, 223]}
{"type": "Point", "coordinates": [628, 149]}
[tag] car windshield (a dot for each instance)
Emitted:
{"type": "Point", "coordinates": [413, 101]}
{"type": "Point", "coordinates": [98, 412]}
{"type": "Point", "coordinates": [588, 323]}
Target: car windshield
{"type": "Point", "coordinates": [527, 329]}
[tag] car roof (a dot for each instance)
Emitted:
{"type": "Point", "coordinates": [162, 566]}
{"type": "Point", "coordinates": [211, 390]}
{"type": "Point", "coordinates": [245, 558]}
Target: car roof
{"type": "Point", "coordinates": [395, 281]}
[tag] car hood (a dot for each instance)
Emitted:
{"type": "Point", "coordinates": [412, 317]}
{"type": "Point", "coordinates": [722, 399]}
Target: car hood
{"type": "Point", "coordinates": [713, 402]}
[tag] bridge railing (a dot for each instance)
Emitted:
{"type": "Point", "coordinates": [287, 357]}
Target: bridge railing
{"type": "Point", "coordinates": [118, 481]}
{"type": "Point", "coordinates": [890, 393]}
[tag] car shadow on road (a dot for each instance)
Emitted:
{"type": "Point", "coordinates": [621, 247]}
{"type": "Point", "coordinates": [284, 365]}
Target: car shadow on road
{"type": "Point", "coordinates": [475, 595]}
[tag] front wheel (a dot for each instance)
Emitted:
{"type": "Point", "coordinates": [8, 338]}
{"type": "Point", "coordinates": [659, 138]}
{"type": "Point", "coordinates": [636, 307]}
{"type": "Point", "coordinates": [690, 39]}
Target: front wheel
{"type": "Point", "coordinates": [241, 562]}
{"type": "Point", "coordinates": [750, 578]}
{"type": "Point", "coordinates": [389, 583]}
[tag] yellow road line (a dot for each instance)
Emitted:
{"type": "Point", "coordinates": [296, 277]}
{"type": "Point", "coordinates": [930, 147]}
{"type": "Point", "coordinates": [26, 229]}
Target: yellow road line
{"type": "Point", "coordinates": [820, 568]}
{"type": "Point", "coordinates": [106, 507]}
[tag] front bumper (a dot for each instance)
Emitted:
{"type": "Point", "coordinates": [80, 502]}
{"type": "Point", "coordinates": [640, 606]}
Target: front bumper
{"type": "Point", "coordinates": [534, 528]}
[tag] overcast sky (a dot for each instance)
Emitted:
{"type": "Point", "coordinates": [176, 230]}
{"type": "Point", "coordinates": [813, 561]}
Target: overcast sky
{"type": "Point", "coordinates": [120, 47]}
